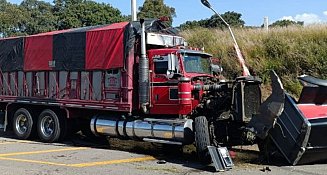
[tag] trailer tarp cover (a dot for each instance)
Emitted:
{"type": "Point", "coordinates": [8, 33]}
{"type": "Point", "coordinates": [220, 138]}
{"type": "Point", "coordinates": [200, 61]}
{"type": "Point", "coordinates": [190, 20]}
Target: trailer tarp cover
{"type": "Point", "coordinates": [11, 54]}
{"type": "Point", "coordinates": [38, 51]}
{"type": "Point", "coordinates": [69, 51]}
{"type": "Point", "coordinates": [89, 48]}
{"type": "Point", "coordinates": [105, 47]}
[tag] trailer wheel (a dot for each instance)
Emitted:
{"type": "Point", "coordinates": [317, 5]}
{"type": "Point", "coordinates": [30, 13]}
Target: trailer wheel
{"type": "Point", "coordinates": [202, 139]}
{"type": "Point", "coordinates": [49, 127]}
{"type": "Point", "coordinates": [23, 123]}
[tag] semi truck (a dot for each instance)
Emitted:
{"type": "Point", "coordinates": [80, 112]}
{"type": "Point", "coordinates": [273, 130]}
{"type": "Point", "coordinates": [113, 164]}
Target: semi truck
{"type": "Point", "coordinates": [139, 80]}
{"type": "Point", "coordinates": [132, 80]}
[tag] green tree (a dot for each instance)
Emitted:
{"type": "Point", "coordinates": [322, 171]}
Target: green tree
{"type": "Point", "coordinates": [40, 17]}
{"type": "Point", "coordinates": [232, 18]}
{"type": "Point", "coordinates": [36, 16]}
{"type": "Point", "coordinates": [190, 25]}
{"type": "Point", "coordinates": [156, 9]}
{"type": "Point", "coordinates": [11, 19]}
{"type": "Point", "coordinates": [285, 23]}
{"type": "Point", "coordinates": [80, 13]}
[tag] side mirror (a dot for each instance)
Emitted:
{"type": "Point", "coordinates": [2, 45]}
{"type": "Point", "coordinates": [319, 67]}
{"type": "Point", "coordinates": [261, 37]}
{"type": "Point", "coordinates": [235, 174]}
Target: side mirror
{"type": "Point", "coordinates": [216, 69]}
{"type": "Point", "coordinates": [172, 65]}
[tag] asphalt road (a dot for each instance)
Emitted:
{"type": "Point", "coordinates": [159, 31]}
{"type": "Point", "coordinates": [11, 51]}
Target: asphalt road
{"type": "Point", "coordinates": [80, 156]}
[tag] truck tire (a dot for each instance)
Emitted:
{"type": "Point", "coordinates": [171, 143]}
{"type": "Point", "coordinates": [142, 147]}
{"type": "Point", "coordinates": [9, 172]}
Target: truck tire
{"type": "Point", "coordinates": [23, 124]}
{"type": "Point", "coordinates": [202, 139]}
{"type": "Point", "coordinates": [89, 135]}
{"type": "Point", "coordinates": [49, 127]}
{"type": "Point", "coordinates": [86, 129]}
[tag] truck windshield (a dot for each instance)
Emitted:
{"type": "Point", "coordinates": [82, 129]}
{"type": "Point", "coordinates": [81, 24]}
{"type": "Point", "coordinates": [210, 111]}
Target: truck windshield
{"type": "Point", "coordinates": [194, 63]}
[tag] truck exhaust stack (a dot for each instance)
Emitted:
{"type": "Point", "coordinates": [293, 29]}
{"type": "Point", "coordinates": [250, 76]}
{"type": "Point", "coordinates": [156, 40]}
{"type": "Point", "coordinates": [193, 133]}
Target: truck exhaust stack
{"type": "Point", "coordinates": [143, 72]}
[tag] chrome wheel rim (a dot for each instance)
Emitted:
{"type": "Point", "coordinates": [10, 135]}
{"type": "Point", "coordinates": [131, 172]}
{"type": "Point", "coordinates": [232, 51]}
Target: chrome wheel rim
{"type": "Point", "coordinates": [21, 124]}
{"type": "Point", "coordinates": [47, 126]}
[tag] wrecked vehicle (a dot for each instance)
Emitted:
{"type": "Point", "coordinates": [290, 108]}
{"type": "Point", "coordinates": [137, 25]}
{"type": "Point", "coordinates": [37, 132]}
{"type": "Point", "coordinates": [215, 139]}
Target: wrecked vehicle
{"type": "Point", "coordinates": [137, 80]}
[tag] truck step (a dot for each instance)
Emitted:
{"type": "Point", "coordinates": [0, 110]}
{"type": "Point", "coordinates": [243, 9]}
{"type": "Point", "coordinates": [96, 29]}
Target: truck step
{"type": "Point", "coordinates": [171, 121]}
{"type": "Point", "coordinates": [162, 141]}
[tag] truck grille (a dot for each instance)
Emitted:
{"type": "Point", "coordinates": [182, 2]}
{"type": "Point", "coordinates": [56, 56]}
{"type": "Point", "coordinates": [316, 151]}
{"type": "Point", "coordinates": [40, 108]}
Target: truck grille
{"type": "Point", "coordinates": [252, 100]}
{"type": "Point", "coordinates": [248, 100]}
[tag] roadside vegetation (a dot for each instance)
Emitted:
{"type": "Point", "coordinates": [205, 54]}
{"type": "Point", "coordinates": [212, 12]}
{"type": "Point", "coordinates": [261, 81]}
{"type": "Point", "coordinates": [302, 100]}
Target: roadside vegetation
{"type": "Point", "coordinates": [291, 51]}
{"type": "Point", "coordinates": [289, 48]}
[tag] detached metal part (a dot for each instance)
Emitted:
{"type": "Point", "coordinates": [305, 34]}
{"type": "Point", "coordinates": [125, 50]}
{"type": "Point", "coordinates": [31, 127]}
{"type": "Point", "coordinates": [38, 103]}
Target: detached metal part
{"type": "Point", "coordinates": [295, 129]}
{"type": "Point", "coordinates": [221, 158]}
{"type": "Point", "coordinates": [312, 80]}
{"type": "Point", "coordinates": [300, 135]}
{"type": "Point", "coordinates": [269, 110]}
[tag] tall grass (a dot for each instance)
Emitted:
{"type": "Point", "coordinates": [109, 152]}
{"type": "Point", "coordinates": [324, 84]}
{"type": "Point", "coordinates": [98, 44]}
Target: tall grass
{"type": "Point", "coordinates": [290, 51]}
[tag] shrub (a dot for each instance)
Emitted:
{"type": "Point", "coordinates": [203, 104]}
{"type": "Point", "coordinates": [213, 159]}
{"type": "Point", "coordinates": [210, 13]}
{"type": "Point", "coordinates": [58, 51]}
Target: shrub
{"type": "Point", "coordinates": [290, 51]}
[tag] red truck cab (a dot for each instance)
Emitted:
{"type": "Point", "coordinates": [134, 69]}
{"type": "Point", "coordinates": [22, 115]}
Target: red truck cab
{"type": "Point", "coordinates": [167, 92]}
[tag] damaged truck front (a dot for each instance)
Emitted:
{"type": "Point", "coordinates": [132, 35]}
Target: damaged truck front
{"type": "Point", "coordinates": [292, 129]}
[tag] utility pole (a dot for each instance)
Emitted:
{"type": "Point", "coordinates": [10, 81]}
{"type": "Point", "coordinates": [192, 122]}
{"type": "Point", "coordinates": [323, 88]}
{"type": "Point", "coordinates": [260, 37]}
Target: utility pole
{"type": "Point", "coordinates": [266, 23]}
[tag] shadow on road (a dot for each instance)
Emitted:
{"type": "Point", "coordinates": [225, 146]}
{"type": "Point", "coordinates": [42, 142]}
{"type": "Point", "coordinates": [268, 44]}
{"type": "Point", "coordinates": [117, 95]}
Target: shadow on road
{"type": "Point", "coordinates": [184, 156]}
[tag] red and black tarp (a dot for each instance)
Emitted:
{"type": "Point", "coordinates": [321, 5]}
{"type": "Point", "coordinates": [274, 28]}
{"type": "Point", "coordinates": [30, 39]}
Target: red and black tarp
{"type": "Point", "coordinates": [89, 48]}
{"type": "Point", "coordinates": [101, 43]}
{"type": "Point", "coordinates": [11, 54]}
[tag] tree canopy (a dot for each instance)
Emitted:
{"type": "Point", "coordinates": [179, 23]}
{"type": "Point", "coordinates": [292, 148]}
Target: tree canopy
{"type": "Point", "coordinates": [36, 16]}
{"type": "Point", "coordinates": [11, 19]}
{"type": "Point", "coordinates": [232, 18]}
{"type": "Point", "coordinates": [156, 9]}
{"type": "Point", "coordinates": [285, 23]}
{"type": "Point", "coordinates": [80, 13]}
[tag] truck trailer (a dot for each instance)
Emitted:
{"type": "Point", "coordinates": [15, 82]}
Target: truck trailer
{"type": "Point", "coordinates": [132, 80]}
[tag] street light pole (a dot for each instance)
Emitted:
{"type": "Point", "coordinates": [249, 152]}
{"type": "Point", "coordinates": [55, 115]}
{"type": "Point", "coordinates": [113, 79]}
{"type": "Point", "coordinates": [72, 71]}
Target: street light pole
{"type": "Point", "coordinates": [246, 71]}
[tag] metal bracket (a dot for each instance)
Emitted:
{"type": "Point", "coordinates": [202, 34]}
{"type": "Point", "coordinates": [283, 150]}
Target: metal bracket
{"type": "Point", "coordinates": [269, 110]}
{"type": "Point", "coordinates": [221, 158]}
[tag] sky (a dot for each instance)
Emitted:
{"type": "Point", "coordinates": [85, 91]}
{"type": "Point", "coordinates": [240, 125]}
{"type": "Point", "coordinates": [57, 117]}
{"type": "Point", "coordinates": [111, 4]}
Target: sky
{"type": "Point", "coordinates": [253, 11]}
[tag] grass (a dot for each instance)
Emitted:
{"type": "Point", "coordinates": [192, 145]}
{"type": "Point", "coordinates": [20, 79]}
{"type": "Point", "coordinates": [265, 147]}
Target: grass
{"type": "Point", "coordinates": [290, 51]}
